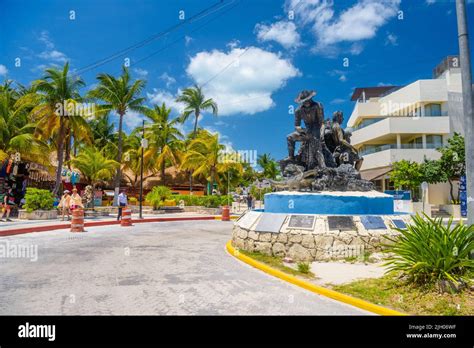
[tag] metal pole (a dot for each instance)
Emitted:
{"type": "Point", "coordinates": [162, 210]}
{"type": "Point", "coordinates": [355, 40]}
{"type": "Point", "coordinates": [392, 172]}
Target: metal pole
{"type": "Point", "coordinates": [141, 175]}
{"type": "Point", "coordinates": [466, 77]}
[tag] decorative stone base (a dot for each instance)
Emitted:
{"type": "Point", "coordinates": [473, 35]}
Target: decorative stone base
{"type": "Point", "coordinates": [261, 232]}
{"type": "Point", "coordinates": [38, 215]}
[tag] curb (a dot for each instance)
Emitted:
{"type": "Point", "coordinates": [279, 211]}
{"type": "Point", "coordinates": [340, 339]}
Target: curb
{"type": "Point", "coordinates": [356, 302]}
{"type": "Point", "coordinates": [97, 223]}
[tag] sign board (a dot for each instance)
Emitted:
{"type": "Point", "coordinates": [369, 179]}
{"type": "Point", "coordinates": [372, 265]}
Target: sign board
{"type": "Point", "coordinates": [305, 222]}
{"type": "Point", "coordinates": [371, 222]}
{"type": "Point", "coordinates": [342, 223]}
{"type": "Point", "coordinates": [270, 223]}
{"type": "Point", "coordinates": [463, 195]}
{"type": "Point", "coordinates": [399, 223]}
{"type": "Point", "coordinates": [247, 220]}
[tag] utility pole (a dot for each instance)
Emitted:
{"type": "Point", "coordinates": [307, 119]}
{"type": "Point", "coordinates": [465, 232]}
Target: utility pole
{"type": "Point", "coordinates": [143, 145]}
{"type": "Point", "coordinates": [466, 77]}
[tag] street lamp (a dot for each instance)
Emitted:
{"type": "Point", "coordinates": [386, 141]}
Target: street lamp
{"type": "Point", "coordinates": [144, 145]}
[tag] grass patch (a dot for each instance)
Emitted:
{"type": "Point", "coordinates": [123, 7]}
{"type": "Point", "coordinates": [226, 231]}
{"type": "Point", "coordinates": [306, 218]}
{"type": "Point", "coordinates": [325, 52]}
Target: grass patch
{"type": "Point", "coordinates": [277, 262]}
{"type": "Point", "coordinates": [390, 292]}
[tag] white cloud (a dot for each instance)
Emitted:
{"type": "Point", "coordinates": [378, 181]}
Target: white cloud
{"type": "Point", "coordinates": [160, 96]}
{"type": "Point", "coordinates": [3, 70]}
{"type": "Point", "coordinates": [283, 32]}
{"type": "Point", "coordinates": [131, 120]}
{"type": "Point", "coordinates": [53, 55]}
{"type": "Point", "coordinates": [359, 22]}
{"type": "Point", "coordinates": [169, 80]}
{"type": "Point", "coordinates": [141, 72]}
{"type": "Point", "coordinates": [337, 101]}
{"type": "Point", "coordinates": [246, 85]}
{"type": "Point", "coordinates": [391, 39]}
{"type": "Point", "coordinates": [340, 74]}
{"type": "Point", "coordinates": [50, 53]}
{"type": "Point", "coordinates": [187, 40]}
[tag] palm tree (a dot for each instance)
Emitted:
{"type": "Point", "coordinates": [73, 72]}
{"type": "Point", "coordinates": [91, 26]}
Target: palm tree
{"type": "Point", "coordinates": [16, 132]}
{"type": "Point", "coordinates": [94, 166]}
{"type": "Point", "coordinates": [269, 166]}
{"type": "Point", "coordinates": [203, 156]}
{"type": "Point", "coordinates": [102, 131]}
{"type": "Point", "coordinates": [195, 102]}
{"type": "Point", "coordinates": [164, 138]}
{"type": "Point", "coordinates": [121, 95]}
{"type": "Point", "coordinates": [56, 88]}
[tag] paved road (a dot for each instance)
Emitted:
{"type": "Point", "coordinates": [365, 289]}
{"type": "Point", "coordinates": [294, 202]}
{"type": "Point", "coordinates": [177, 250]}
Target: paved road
{"type": "Point", "coordinates": [153, 268]}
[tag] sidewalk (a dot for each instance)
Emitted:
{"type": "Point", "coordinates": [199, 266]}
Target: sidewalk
{"type": "Point", "coordinates": [27, 226]}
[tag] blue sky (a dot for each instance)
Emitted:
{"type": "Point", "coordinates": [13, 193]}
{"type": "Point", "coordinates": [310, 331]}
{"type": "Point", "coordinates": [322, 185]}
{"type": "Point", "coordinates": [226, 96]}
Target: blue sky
{"type": "Point", "coordinates": [270, 55]}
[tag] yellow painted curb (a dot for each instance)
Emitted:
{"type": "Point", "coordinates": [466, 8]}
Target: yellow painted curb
{"type": "Point", "coordinates": [220, 217]}
{"type": "Point", "coordinates": [312, 287]}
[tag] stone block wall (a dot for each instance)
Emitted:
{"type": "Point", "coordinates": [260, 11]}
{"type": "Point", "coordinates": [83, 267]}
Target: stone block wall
{"type": "Point", "coordinates": [319, 243]}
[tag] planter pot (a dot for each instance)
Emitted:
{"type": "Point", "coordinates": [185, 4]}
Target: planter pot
{"type": "Point", "coordinates": [452, 209]}
{"type": "Point", "coordinates": [38, 215]}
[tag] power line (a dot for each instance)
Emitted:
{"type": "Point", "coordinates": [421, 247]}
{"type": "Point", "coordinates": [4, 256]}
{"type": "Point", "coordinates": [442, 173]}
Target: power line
{"type": "Point", "coordinates": [184, 36]}
{"type": "Point", "coordinates": [209, 10]}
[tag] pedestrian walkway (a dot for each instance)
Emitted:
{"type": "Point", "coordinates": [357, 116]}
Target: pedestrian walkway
{"type": "Point", "coordinates": [167, 268]}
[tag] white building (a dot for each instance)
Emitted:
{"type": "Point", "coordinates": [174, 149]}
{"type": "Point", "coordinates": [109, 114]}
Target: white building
{"type": "Point", "coordinates": [392, 123]}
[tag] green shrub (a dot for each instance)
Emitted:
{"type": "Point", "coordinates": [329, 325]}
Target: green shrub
{"type": "Point", "coordinates": [158, 195]}
{"type": "Point", "coordinates": [36, 199]}
{"type": "Point", "coordinates": [304, 267]}
{"type": "Point", "coordinates": [203, 201]}
{"type": "Point", "coordinates": [429, 253]}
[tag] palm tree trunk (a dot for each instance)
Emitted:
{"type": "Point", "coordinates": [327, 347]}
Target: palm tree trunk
{"type": "Point", "coordinates": [119, 160]}
{"type": "Point", "coordinates": [163, 174]}
{"type": "Point", "coordinates": [194, 136]}
{"type": "Point", "coordinates": [67, 150]}
{"type": "Point", "coordinates": [451, 193]}
{"type": "Point", "coordinates": [60, 155]}
{"type": "Point", "coordinates": [196, 122]}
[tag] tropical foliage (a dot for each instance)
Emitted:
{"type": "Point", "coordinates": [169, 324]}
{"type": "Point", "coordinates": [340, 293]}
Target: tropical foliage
{"type": "Point", "coordinates": [158, 195]}
{"type": "Point", "coordinates": [409, 175]}
{"type": "Point", "coordinates": [46, 123]}
{"type": "Point", "coordinates": [36, 199]}
{"type": "Point", "coordinates": [428, 252]}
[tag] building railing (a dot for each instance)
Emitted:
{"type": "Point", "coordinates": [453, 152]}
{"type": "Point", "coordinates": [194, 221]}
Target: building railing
{"type": "Point", "coordinates": [363, 125]}
{"type": "Point", "coordinates": [412, 146]}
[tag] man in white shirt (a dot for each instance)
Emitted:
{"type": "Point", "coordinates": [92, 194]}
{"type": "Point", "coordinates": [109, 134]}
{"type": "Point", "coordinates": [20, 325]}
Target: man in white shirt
{"type": "Point", "coordinates": [122, 201]}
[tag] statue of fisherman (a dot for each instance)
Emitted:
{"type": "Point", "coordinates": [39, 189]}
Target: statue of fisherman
{"type": "Point", "coordinates": [312, 113]}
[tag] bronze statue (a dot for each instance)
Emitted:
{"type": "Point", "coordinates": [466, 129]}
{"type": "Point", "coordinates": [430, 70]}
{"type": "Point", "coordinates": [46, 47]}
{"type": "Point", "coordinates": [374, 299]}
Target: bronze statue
{"type": "Point", "coordinates": [312, 113]}
{"type": "Point", "coordinates": [343, 152]}
{"type": "Point", "coordinates": [326, 160]}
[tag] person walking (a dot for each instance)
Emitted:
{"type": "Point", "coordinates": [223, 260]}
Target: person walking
{"type": "Point", "coordinates": [65, 205]}
{"type": "Point", "coordinates": [122, 200]}
{"type": "Point", "coordinates": [249, 201]}
{"type": "Point", "coordinates": [76, 200]}
{"type": "Point", "coordinates": [8, 203]}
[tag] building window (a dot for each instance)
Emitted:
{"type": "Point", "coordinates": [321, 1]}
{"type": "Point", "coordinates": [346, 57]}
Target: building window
{"type": "Point", "coordinates": [432, 110]}
{"type": "Point", "coordinates": [389, 185]}
{"type": "Point", "coordinates": [434, 141]}
{"type": "Point", "coordinates": [416, 143]}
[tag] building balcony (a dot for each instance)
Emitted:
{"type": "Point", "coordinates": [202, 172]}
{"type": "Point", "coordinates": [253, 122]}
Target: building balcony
{"type": "Point", "coordinates": [388, 156]}
{"type": "Point", "coordinates": [391, 126]}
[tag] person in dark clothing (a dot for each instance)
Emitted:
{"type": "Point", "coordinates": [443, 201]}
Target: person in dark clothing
{"type": "Point", "coordinates": [249, 201]}
{"type": "Point", "coordinates": [8, 204]}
